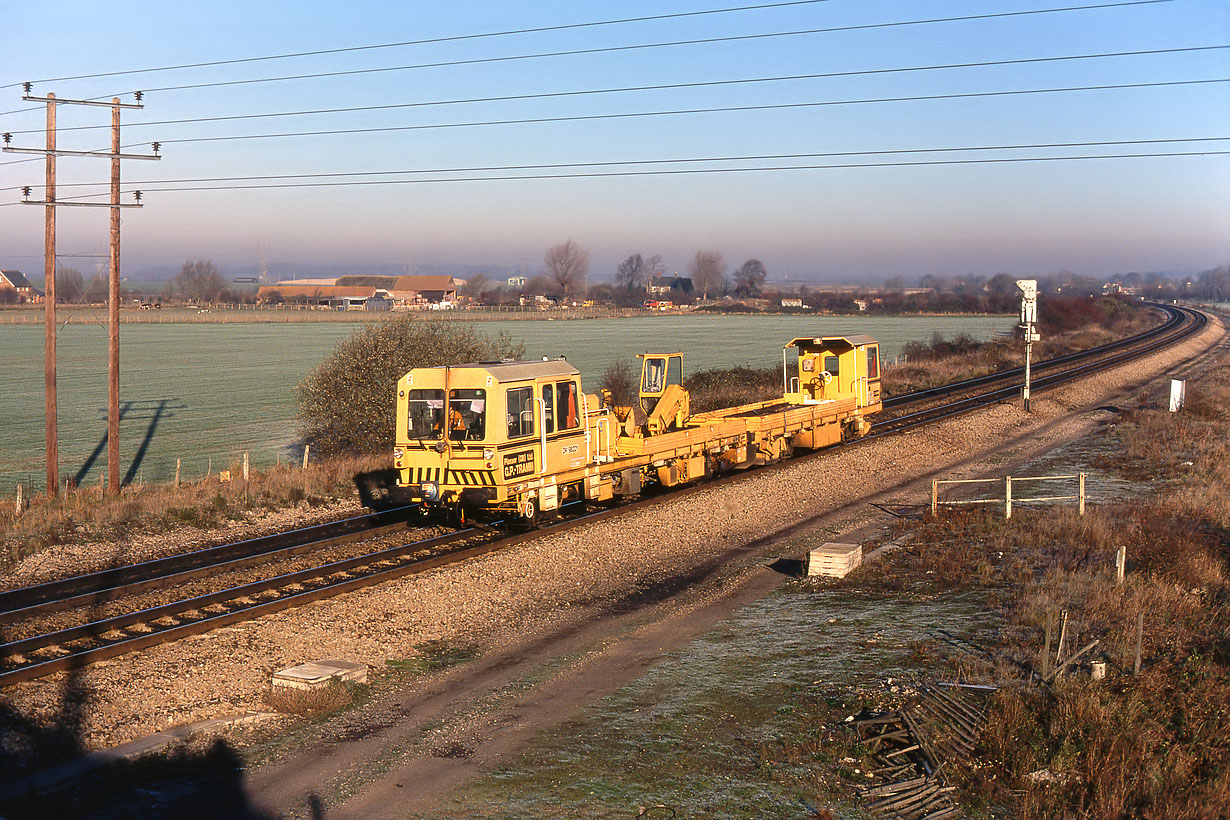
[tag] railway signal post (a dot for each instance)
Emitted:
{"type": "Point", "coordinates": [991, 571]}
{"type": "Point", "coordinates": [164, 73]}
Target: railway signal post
{"type": "Point", "coordinates": [1029, 315]}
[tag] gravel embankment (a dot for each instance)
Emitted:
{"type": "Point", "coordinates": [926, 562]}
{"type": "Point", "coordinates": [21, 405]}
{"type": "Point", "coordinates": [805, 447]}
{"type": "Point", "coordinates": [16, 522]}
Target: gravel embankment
{"type": "Point", "coordinates": [499, 598]}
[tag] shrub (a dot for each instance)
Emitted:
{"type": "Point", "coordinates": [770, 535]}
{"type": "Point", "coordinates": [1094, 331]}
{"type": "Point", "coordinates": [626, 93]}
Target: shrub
{"type": "Point", "coordinates": [347, 404]}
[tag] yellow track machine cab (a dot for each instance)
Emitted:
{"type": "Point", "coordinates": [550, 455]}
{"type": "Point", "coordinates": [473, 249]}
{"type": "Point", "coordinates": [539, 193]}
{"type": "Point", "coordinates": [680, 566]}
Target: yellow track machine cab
{"type": "Point", "coordinates": [510, 438]}
{"type": "Point", "coordinates": [827, 369]}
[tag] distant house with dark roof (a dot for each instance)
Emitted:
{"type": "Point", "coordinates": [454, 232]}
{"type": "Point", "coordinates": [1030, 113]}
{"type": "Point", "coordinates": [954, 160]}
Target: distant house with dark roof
{"type": "Point", "coordinates": [15, 281]}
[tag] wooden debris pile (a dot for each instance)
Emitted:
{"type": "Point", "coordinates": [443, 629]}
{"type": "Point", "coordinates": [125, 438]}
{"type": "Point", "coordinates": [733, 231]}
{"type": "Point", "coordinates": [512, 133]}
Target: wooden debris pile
{"type": "Point", "coordinates": [912, 745]}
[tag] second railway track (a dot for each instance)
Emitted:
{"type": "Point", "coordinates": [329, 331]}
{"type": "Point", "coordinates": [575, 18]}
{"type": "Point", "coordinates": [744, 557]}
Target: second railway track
{"type": "Point", "coordinates": [74, 646]}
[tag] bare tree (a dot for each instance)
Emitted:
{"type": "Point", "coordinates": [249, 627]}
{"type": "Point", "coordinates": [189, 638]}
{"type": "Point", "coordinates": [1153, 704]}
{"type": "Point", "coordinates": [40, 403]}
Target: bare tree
{"type": "Point", "coordinates": [70, 286]}
{"type": "Point", "coordinates": [638, 272]}
{"type": "Point", "coordinates": [199, 281]}
{"type": "Point", "coordinates": [708, 272]}
{"type": "Point", "coordinates": [567, 263]}
{"type": "Point", "coordinates": [476, 286]}
{"type": "Point", "coordinates": [99, 289]}
{"type": "Point", "coordinates": [749, 278]}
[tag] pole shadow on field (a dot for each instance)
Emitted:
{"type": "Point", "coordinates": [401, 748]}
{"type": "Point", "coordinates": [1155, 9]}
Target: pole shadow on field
{"type": "Point", "coordinates": [155, 410]}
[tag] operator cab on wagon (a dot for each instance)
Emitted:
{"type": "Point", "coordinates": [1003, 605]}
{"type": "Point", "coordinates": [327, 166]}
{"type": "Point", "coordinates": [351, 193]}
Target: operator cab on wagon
{"type": "Point", "coordinates": [503, 423]}
{"type": "Point", "coordinates": [827, 368]}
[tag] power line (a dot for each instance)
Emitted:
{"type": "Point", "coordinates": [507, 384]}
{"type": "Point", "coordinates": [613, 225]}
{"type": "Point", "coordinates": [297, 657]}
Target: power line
{"type": "Point", "coordinates": [642, 46]}
{"type": "Point", "coordinates": [660, 87]}
{"type": "Point", "coordinates": [693, 171]}
{"type": "Point", "coordinates": [593, 175]}
{"type": "Point", "coordinates": [681, 111]}
{"type": "Point", "coordinates": [663, 161]}
{"type": "Point", "coordinates": [431, 41]}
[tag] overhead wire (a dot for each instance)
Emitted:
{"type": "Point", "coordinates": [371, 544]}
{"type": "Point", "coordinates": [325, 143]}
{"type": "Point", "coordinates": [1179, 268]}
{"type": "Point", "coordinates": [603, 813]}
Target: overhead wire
{"type": "Point", "coordinates": [685, 111]}
{"type": "Point", "coordinates": [642, 46]}
{"type": "Point", "coordinates": [638, 46]}
{"type": "Point", "coordinates": [659, 161]}
{"type": "Point", "coordinates": [656, 87]}
{"type": "Point", "coordinates": [687, 171]}
{"type": "Point", "coordinates": [429, 41]}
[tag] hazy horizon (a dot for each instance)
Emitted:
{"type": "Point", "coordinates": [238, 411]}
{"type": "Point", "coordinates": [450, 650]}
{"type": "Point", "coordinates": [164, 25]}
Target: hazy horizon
{"type": "Point", "coordinates": [937, 138]}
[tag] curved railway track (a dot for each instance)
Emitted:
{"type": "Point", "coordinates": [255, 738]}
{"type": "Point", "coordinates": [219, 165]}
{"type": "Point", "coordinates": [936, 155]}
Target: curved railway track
{"type": "Point", "coordinates": [75, 646]}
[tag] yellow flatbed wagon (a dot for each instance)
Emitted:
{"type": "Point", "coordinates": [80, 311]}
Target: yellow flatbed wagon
{"type": "Point", "coordinates": [522, 439]}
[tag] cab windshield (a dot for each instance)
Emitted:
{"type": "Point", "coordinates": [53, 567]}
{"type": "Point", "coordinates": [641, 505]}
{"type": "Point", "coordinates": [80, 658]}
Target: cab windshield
{"type": "Point", "coordinates": [467, 413]}
{"type": "Point", "coordinates": [425, 416]}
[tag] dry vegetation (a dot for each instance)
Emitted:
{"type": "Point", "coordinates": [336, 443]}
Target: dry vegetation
{"type": "Point", "coordinates": [1067, 325]}
{"type": "Point", "coordinates": [89, 514]}
{"type": "Point", "coordinates": [1155, 744]}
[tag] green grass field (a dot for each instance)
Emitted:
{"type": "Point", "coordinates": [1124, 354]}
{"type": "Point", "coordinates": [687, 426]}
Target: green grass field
{"type": "Point", "coordinates": [206, 392]}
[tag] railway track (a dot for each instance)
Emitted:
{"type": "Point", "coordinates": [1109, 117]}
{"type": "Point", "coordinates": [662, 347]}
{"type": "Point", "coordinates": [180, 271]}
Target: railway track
{"type": "Point", "coordinates": [75, 646]}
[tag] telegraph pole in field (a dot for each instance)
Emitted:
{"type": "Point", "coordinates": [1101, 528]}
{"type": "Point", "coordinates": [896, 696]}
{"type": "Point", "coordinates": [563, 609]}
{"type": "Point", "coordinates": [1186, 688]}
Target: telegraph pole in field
{"type": "Point", "coordinates": [113, 359]}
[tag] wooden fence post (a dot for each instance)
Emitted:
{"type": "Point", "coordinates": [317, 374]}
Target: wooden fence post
{"type": "Point", "coordinates": [1082, 494]}
{"type": "Point", "coordinates": [306, 448]}
{"type": "Point", "coordinates": [245, 465]}
{"type": "Point", "coordinates": [19, 499]}
{"type": "Point", "coordinates": [935, 497]}
{"type": "Point", "coordinates": [1063, 634]}
{"type": "Point", "coordinates": [1120, 565]}
{"type": "Point", "coordinates": [1140, 631]}
{"type": "Point", "coordinates": [1046, 646]}
{"type": "Point", "coordinates": [1007, 496]}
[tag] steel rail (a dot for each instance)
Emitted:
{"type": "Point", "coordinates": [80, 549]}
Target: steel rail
{"type": "Point", "coordinates": [1175, 318]}
{"type": "Point", "coordinates": [372, 574]}
{"type": "Point", "coordinates": [112, 584]}
{"type": "Point", "coordinates": [965, 405]}
{"type": "Point", "coordinates": [16, 604]}
{"type": "Point", "coordinates": [337, 577]}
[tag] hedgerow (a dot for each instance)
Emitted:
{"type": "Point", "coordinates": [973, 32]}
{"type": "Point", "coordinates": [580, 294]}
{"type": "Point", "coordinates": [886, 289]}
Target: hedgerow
{"type": "Point", "coordinates": [347, 404]}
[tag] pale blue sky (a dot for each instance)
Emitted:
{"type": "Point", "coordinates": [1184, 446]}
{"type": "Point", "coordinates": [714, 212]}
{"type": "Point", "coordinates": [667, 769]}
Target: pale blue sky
{"type": "Point", "coordinates": [1096, 216]}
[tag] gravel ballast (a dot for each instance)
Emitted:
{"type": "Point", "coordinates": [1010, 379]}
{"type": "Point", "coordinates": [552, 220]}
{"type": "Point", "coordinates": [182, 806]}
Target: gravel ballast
{"type": "Point", "coordinates": [500, 598]}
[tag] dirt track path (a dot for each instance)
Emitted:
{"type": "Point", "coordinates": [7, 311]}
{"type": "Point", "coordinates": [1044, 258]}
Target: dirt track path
{"type": "Point", "coordinates": [412, 747]}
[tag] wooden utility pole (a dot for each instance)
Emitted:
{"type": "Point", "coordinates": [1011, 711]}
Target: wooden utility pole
{"type": "Point", "coordinates": [113, 312]}
{"type": "Point", "coordinates": [49, 306]}
{"type": "Point", "coordinates": [50, 203]}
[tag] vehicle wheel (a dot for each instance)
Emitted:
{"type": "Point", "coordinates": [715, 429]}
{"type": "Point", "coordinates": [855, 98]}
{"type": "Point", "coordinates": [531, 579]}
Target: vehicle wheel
{"type": "Point", "coordinates": [529, 514]}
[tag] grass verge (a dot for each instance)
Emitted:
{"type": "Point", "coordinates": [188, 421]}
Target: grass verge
{"type": "Point", "coordinates": [1152, 744]}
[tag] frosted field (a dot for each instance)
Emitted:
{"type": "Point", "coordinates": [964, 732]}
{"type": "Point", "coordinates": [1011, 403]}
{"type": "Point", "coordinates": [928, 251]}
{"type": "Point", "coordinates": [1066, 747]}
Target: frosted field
{"type": "Point", "coordinates": [208, 392]}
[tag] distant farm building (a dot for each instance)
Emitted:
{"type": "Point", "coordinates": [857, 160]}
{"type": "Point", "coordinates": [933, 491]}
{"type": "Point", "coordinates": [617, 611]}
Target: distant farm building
{"type": "Point", "coordinates": [361, 292]}
{"type": "Point", "coordinates": [15, 288]}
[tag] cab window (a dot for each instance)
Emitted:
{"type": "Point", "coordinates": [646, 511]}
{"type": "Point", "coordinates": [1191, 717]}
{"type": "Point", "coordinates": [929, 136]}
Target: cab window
{"type": "Point", "coordinates": [467, 411]}
{"type": "Point", "coordinates": [548, 408]}
{"type": "Point", "coordinates": [873, 362]}
{"type": "Point", "coordinates": [425, 415]}
{"type": "Point", "coordinates": [520, 401]}
{"type": "Point", "coordinates": [566, 401]}
{"type": "Point", "coordinates": [831, 364]}
{"type": "Point", "coordinates": [655, 371]}
{"type": "Point", "coordinates": [674, 370]}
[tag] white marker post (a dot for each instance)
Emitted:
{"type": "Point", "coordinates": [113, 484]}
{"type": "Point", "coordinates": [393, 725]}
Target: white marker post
{"type": "Point", "coordinates": [1029, 315]}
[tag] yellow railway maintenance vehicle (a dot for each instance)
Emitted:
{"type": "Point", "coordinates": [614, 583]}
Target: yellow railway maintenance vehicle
{"type": "Point", "coordinates": [521, 439]}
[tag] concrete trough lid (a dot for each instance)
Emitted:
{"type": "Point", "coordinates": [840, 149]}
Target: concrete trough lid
{"type": "Point", "coordinates": [834, 560]}
{"type": "Point", "coordinates": [320, 673]}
